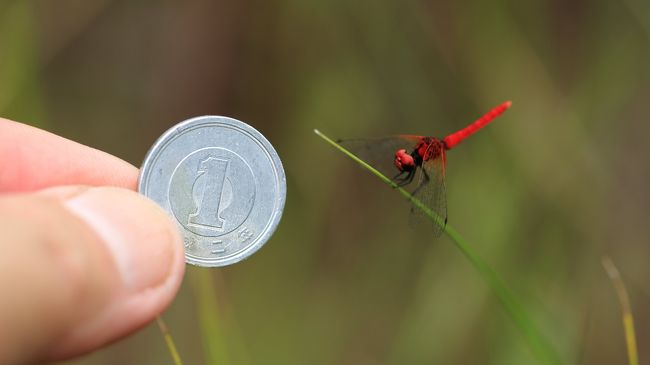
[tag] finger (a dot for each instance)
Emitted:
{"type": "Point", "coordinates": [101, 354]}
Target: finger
{"type": "Point", "coordinates": [32, 159]}
{"type": "Point", "coordinates": [81, 267]}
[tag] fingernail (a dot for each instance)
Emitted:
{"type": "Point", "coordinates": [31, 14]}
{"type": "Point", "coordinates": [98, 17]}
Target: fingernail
{"type": "Point", "coordinates": [140, 237]}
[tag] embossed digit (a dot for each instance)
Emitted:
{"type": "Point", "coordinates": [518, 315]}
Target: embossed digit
{"type": "Point", "coordinates": [213, 171]}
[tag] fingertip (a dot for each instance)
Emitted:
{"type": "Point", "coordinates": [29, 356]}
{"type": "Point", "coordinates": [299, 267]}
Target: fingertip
{"type": "Point", "coordinates": [22, 151]}
{"type": "Point", "coordinates": [140, 236]}
{"type": "Point", "coordinates": [107, 261]}
{"type": "Point", "coordinates": [148, 253]}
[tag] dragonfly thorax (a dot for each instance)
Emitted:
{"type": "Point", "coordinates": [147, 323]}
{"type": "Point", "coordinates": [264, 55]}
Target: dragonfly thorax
{"type": "Point", "coordinates": [430, 148]}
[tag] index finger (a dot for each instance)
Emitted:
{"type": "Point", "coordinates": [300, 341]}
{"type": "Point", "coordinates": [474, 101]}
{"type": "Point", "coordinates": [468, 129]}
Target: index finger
{"type": "Point", "coordinates": [32, 159]}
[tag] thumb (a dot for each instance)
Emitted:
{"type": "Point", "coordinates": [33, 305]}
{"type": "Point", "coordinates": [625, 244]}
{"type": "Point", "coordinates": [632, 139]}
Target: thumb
{"type": "Point", "coordinates": [81, 267]}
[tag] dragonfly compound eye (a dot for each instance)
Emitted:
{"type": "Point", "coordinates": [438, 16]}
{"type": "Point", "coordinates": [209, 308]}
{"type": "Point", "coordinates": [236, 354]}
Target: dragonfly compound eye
{"type": "Point", "coordinates": [403, 161]}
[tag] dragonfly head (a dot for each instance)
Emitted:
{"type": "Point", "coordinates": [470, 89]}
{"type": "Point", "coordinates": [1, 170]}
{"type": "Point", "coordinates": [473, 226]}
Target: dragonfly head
{"type": "Point", "coordinates": [404, 161]}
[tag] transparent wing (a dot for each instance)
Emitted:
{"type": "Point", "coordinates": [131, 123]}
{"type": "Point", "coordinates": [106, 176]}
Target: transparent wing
{"type": "Point", "coordinates": [428, 186]}
{"type": "Point", "coordinates": [432, 192]}
{"type": "Point", "coordinates": [380, 152]}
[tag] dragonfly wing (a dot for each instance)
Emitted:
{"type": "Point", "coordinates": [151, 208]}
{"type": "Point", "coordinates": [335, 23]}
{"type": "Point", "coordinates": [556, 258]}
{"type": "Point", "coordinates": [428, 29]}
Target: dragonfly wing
{"type": "Point", "coordinates": [428, 186]}
{"type": "Point", "coordinates": [431, 191]}
{"type": "Point", "coordinates": [380, 152]}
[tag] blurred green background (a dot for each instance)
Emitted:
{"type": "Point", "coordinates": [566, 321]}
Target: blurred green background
{"type": "Point", "coordinates": [542, 194]}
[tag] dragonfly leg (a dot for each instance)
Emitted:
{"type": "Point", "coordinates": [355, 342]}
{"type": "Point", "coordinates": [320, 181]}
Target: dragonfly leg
{"type": "Point", "coordinates": [410, 177]}
{"type": "Point", "coordinates": [398, 179]}
{"type": "Point", "coordinates": [403, 181]}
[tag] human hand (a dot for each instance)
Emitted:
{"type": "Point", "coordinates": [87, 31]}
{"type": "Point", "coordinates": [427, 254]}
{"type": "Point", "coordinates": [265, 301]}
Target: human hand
{"type": "Point", "coordinates": [84, 260]}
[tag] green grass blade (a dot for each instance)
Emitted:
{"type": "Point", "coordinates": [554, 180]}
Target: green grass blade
{"type": "Point", "coordinates": [626, 309]}
{"type": "Point", "coordinates": [169, 341]}
{"type": "Point", "coordinates": [212, 331]}
{"type": "Point", "coordinates": [538, 344]}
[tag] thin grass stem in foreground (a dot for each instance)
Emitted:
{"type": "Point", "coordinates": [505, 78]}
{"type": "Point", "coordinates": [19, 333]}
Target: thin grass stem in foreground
{"type": "Point", "coordinates": [624, 299]}
{"type": "Point", "coordinates": [539, 345]}
{"type": "Point", "coordinates": [169, 341]}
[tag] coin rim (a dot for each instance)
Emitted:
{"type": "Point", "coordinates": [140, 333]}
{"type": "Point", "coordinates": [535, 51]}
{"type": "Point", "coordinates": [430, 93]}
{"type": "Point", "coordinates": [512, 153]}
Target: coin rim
{"type": "Point", "coordinates": [177, 130]}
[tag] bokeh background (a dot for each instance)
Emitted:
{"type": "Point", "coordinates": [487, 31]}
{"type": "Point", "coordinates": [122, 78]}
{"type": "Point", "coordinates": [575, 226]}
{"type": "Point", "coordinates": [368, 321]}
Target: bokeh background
{"type": "Point", "coordinates": [542, 194]}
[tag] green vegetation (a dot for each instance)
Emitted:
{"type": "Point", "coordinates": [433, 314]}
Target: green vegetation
{"type": "Point", "coordinates": [536, 340]}
{"type": "Point", "coordinates": [542, 193]}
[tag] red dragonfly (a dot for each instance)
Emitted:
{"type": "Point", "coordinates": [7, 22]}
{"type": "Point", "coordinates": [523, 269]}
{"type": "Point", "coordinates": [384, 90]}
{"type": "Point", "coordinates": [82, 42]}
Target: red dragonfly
{"type": "Point", "coordinates": [418, 162]}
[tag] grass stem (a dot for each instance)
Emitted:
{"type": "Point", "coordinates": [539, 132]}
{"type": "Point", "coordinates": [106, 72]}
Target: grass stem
{"type": "Point", "coordinates": [539, 345]}
{"type": "Point", "coordinates": [212, 325]}
{"type": "Point", "coordinates": [626, 309]}
{"type": "Point", "coordinates": [169, 341]}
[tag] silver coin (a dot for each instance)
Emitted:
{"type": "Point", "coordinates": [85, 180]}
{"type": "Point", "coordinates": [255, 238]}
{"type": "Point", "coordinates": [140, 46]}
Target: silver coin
{"type": "Point", "coordinates": [223, 183]}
